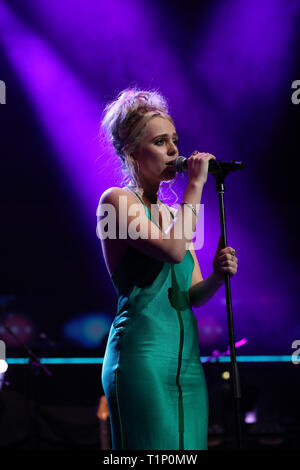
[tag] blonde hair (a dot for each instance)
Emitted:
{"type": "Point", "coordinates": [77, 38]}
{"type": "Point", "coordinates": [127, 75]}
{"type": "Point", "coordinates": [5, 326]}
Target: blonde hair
{"type": "Point", "coordinates": [124, 120]}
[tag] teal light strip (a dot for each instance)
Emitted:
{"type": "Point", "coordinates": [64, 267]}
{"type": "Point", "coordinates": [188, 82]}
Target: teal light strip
{"type": "Point", "coordinates": [254, 359]}
{"type": "Point", "coordinates": [58, 360]}
{"type": "Point", "coordinates": [72, 360]}
{"type": "Point", "coordinates": [17, 360]}
{"type": "Point", "coordinates": [99, 360]}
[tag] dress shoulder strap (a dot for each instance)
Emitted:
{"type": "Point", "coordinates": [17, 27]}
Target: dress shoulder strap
{"type": "Point", "coordinates": [167, 207]}
{"type": "Point", "coordinates": [145, 204]}
{"type": "Point", "coordinates": [139, 198]}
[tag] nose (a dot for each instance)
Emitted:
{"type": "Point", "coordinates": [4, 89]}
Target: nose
{"type": "Point", "coordinates": [172, 149]}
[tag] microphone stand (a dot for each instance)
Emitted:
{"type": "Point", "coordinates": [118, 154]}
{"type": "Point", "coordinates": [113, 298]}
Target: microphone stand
{"type": "Point", "coordinates": [220, 172]}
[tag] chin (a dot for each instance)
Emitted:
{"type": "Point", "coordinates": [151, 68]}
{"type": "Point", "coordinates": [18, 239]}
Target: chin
{"type": "Point", "coordinates": [170, 174]}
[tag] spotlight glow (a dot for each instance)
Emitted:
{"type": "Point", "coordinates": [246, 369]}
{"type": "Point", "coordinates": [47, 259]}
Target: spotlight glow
{"type": "Point", "coordinates": [3, 366]}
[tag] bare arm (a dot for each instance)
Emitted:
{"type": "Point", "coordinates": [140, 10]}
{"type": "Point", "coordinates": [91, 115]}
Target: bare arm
{"type": "Point", "coordinates": [137, 230]}
{"type": "Point", "coordinates": [201, 290]}
{"type": "Point", "coordinates": [204, 290]}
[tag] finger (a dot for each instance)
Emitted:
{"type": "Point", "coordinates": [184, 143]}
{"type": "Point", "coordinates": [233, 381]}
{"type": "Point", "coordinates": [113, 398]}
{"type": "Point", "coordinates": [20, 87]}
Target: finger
{"type": "Point", "coordinates": [229, 252]}
{"type": "Point", "coordinates": [229, 249]}
{"type": "Point", "coordinates": [227, 263]}
{"type": "Point", "coordinates": [209, 155]}
{"type": "Point", "coordinates": [229, 270]}
{"type": "Point", "coordinates": [226, 255]}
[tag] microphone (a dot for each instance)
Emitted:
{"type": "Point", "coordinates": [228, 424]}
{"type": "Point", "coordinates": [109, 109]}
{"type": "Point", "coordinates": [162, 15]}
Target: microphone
{"type": "Point", "coordinates": [214, 166]}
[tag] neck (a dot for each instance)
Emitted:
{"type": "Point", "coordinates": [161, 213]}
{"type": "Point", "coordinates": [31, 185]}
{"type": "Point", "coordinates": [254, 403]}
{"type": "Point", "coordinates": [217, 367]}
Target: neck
{"type": "Point", "coordinates": [149, 191]}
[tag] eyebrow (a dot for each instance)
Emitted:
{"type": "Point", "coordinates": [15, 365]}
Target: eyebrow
{"type": "Point", "coordinates": [165, 135]}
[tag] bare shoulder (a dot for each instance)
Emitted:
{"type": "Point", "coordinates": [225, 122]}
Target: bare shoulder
{"type": "Point", "coordinates": [141, 232]}
{"type": "Point", "coordinates": [112, 194]}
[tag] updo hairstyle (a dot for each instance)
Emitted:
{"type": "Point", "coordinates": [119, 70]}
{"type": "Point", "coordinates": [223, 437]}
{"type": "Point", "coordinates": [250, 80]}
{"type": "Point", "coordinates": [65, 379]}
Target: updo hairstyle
{"type": "Point", "coordinates": [124, 120]}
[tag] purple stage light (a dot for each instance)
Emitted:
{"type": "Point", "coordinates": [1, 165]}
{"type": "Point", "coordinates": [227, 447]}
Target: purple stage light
{"type": "Point", "coordinates": [68, 114]}
{"type": "Point", "coordinates": [70, 68]}
{"type": "Point", "coordinates": [245, 56]}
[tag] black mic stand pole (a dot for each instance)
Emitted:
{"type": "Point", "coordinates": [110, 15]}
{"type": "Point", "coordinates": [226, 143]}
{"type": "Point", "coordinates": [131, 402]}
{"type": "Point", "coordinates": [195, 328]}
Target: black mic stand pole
{"type": "Point", "coordinates": [219, 174]}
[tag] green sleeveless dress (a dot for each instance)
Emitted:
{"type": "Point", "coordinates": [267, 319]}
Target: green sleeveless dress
{"type": "Point", "coordinates": [152, 374]}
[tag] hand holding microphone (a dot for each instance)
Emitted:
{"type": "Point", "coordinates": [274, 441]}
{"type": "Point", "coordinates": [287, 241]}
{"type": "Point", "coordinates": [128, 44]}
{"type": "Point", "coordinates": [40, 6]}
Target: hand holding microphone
{"type": "Point", "coordinates": [213, 166]}
{"type": "Point", "coordinates": [196, 165]}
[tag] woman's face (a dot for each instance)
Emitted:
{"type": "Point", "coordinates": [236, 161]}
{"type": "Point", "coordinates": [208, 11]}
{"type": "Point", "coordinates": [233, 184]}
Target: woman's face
{"type": "Point", "coordinates": [158, 146]}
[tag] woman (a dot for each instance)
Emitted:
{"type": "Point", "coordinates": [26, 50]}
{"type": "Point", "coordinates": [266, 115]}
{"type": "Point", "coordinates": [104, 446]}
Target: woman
{"type": "Point", "coordinates": [152, 375]}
